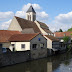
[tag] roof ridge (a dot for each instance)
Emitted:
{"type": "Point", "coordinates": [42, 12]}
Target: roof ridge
{"type": "Point", "coordinates": [18, 36]}
{"type": "Point", "coordinates": [24, 19]}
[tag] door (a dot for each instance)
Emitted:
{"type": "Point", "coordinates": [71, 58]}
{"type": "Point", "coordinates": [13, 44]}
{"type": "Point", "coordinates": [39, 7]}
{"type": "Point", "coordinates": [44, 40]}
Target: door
{"type": "Point", "coordinates": [0, 48]}
{"type": "Point", "coordinates": [13, 49]}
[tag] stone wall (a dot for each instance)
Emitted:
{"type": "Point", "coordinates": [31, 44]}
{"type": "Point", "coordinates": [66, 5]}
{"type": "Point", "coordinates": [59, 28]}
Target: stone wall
{"type": "Point", "coordinates": [38, 52]}
{"type": "Point", "coordinates": [11, 58]}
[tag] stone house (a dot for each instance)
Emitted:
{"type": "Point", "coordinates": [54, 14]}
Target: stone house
{"type": "Point", "coordinates": [4, 36]}
{"type": "Point", "coordinates": [60, 36]}
{"type": "Point", "coordinates": [35, 42]}
{"type": "Point", "coordinates": [52, 43]}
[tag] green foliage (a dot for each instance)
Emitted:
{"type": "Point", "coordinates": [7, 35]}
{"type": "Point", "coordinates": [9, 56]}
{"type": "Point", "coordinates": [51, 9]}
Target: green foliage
{"type": "Point", "coordinates": [68, 46]}
{"type": "Point", "coordinates": [69, 29]}
{"type": "Point", "coordinates": [66, 39]}
{"type": "Point", "coordinates": [60, 30]}
{"type": "Point", "coordinates": [71, 33]}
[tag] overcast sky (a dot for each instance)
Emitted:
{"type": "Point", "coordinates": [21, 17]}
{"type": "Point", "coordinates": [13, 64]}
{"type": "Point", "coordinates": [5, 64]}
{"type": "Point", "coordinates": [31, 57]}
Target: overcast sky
{"type": "Point", "coordinates": [55, 13]}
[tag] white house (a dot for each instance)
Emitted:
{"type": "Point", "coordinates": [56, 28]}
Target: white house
{"type": "Point", "coordinates": [60, 36]}
{"type": "Point", "coordinates": [52, 43]}
{"type": "Point", "coordinates": [36, 43]}
{"type": "Point", "coordinates": [4, 36]}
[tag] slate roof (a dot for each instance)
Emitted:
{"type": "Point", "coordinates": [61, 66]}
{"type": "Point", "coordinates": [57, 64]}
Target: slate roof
{"type": "Point", "coordinates": [44, 27]}
{"type": "Point", "coordinates": [62, 34]}
{"type": "Point", "coordinates": [27, 24]}
{"type": "Point", "coordinates": [6, 34]}
{"type": "Point", "coordinates": [31, 9]}
{"type": "Point", "coordinates": [22, 37]}
{"type": "Point", "coordinates": [52, 38]}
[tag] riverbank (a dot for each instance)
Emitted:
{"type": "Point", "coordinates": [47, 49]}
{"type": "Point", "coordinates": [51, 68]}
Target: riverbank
{"type": "Point", "coordinates": [13, 58]}
{"type": "Point", "coordinates": [56, 63]}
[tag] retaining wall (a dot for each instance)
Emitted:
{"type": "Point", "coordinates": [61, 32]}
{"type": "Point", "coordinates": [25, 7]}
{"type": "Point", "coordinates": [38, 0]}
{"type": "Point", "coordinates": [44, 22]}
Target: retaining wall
{"type": "Point", "coordinates": [11, 58]}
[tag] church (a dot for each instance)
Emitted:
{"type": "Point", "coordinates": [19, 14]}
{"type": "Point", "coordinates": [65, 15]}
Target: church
{"type": "Point", "coordinates": [30, 24]}
{"type": "Point", "coordinates": [29, 34]}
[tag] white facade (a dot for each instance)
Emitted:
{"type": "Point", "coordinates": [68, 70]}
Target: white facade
{"type": "Point", "coordinates": [14, 26]}
{"type": "Point", "coordinates": [31, 16]}
{"type": "Point", "coordinates": [18, 46]}
{"type": "Point", "coordinates": [49, 43]}
{"type": "Point", "coordinates": [52, 44]}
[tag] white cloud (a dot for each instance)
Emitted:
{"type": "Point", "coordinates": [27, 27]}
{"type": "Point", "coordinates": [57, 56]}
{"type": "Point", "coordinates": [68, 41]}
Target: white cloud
{"type": "Point", "coordinates": [64, 18]}
{"type": "Point", "coordinates": [41, 15]}
{"type": "Point", "coordinates": [6, 15]}
{"type": "Point", "coordinates": [35, 6]}
{"type": "Point", "coordinates": [20, 14]}
{"type": "Point", "coordinates": [62, 21]}
{"type": "Point", "coordinates": [6, 24]}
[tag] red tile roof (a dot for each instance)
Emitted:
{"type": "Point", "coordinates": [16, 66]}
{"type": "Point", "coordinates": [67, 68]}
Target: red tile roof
{"type": "Point", "coordinates": [23, 37]}
{"type": "Point", "coordinates": [52, 38]}
{"type": "Point", "coordinates": [62, 34]}
{"type": "Point", "coordinates": [6, 34]}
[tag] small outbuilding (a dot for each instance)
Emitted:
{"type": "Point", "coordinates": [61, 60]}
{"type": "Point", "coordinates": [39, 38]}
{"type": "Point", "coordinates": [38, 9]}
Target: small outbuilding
{"type": "Point", "coordinates": [52, 43]}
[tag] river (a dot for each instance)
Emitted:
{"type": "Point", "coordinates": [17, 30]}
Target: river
{"type": "Point", "coordinates": [57, 63]}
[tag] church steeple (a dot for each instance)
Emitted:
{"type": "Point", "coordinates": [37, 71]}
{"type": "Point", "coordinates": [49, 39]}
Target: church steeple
{"type": "Point", "coordinates": [31, 14]}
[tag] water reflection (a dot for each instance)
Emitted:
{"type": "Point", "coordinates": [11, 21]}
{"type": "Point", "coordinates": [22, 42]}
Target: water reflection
{"type": "Point", "coordinates": [51, 64]}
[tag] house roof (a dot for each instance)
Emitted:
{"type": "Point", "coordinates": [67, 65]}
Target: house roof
{"type": "Point", "coordinates": [31, 9]}
{"type": "Point", "coordinates": [44, 27]}
{"type": "Point", "coordinates": [62, 34]}
{"type": "Point", "coordinates": [27, 24]}
{"type": "Point", "coordinates": [6, 34]}
{"type": "Point", "coordinates": [52, 37]}
{"type": "Point", "coordinates": [22, 37]}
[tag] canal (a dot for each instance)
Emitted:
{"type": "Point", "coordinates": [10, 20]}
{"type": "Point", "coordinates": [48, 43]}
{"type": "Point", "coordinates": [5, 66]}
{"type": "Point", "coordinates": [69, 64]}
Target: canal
{"type": "Point", "coordinates": [58, 63]}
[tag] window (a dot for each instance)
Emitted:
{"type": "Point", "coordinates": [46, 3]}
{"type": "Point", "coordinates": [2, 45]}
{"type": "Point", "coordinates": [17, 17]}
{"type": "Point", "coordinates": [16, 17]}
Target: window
{"type": "Point", "coordinates": [71, 41]}
{"type": "Point", "coordinates": [39, 39]}
{"type": "Point", "coordinates": [64, 34]}
{"type": "Point", "coordinates": [30, 17]}
{"type": "Point", "coordinates": [34, 17]}
{"type": "Point", "coordinates": [23, 46]}
{"type": "Point", "coordinates": [12, 44]}
{"type": "Point", "coordinates": [34, 46]}
{"type": "Point", "coordinates": [41, 45]}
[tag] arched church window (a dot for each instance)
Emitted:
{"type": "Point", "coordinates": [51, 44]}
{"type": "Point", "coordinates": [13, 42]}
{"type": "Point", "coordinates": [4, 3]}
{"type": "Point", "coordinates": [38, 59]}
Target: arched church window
{"type": "Point", "coordinates": [34, 17]}
{"type": "Point", "coordinates": [30, 17]}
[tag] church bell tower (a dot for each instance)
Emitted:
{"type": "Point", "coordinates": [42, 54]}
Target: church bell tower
{"type": "Point", "coordinates": [31, 14]}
